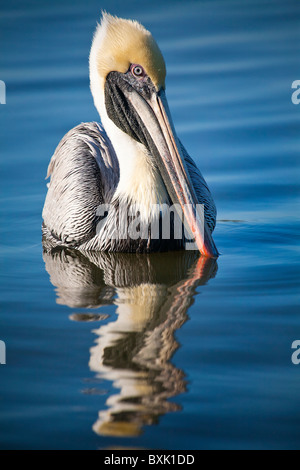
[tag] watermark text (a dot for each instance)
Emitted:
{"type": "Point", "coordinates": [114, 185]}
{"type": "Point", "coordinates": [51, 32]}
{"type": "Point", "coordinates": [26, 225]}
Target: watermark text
{"type": "Point", "coordinates": [162, 222]}
{"type": "Point", "coordinates": [296, 94]}
{"type": "Point", "coordinates": [296, 354]}
{"type": "Point", "coordinates": [2, 92]}
{"type": "Point", "coordinates": [2, 353]}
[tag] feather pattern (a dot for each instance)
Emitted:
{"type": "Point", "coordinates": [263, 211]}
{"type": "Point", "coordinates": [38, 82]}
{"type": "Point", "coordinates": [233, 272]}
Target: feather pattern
{"type": "Point", "coordinates": [84, 173]}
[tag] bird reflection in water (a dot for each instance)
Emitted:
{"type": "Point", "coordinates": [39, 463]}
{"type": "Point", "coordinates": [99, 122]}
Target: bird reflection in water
{"type": "Point", "coordinates": [152, 294]}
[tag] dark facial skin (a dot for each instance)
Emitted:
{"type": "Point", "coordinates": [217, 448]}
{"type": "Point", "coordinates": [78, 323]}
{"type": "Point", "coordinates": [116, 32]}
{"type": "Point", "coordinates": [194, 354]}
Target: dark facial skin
{"type": "Point", "coordinates": [118, 108]}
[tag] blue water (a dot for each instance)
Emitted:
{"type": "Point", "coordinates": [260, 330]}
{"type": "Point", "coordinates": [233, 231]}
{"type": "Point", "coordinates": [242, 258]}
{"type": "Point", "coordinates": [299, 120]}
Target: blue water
{"type": "Point", "coordinates": [156, 352]}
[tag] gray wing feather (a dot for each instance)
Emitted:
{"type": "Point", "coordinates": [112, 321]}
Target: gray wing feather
{"type": "Point", "coordinates": [202, 190]}
{"type": "Point", "coordinates": [84, 173]}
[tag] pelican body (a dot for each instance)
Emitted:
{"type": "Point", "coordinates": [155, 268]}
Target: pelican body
{"type": "Point", "coordinates": [134, 159]}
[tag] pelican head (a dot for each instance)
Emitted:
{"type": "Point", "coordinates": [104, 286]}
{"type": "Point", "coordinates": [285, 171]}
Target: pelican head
{"type": "Point", "coordinates": [127, 75]}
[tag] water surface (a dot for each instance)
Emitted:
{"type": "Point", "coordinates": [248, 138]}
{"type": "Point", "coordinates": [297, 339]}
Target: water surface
{"type": "Point", "coordinates": [163, 351]}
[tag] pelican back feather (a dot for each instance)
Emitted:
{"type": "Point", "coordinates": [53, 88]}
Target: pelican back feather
{"type": "Point", "coordinates": [83, 173]}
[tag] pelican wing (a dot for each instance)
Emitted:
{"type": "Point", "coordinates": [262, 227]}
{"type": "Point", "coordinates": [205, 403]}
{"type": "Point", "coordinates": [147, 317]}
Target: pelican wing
{"type": "Point", "coordinates": [202, 191]}
{"type": "Point", "coordinates": [84, 173]}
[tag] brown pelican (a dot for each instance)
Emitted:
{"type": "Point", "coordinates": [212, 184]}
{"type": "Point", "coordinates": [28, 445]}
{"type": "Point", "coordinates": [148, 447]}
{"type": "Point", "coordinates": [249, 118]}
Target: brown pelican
{"type": "Point", "coordinates": [134, 160]}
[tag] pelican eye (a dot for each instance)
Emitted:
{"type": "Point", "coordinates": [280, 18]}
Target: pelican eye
{"type": "Point", "coordinates": [137, 71]}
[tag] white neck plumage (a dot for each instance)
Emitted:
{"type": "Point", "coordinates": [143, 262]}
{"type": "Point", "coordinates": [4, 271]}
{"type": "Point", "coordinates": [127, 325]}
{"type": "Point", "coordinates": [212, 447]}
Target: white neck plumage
{"type": "Point", "coordinates": [140, 181]}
